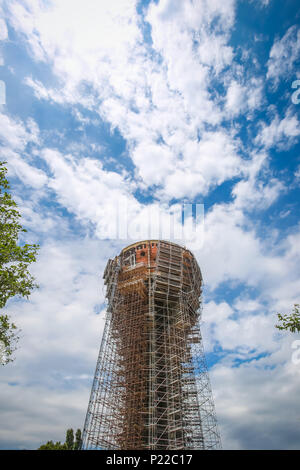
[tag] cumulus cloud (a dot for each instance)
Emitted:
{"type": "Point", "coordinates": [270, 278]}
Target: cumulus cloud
{"type": "Point", "coordinates": [242, 99]}
{"type": "Point", "coordinates": [143, 90]}
{"type": "Point", "coordinates": [15, 136]}
{"type": "Point", "coordinates": [261, 3]}
{"type": "Point", "coordinates": [283, 55]}
{"type": "Point", "coordinates": [104, 200]}
{"type": "Point", "coordinates": [39, 413]}
{"type": "Point", "coordinates": [204, 164]}
{"type": "Point", "coordinates": [280, 132]}
{"type": "Point", "coordinates": [161, 105]}
{"type": "Point", "coordinates": [254, 192]}
{"type": "Point", "coordinates": [256, 401]}
{"type": "Point", "coordinates": [233, 252]}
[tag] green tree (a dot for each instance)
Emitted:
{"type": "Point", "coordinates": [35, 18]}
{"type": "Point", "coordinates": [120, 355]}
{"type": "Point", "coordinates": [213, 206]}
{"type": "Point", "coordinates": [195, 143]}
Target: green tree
{"type": "Point", "coordinates": [78, 440]}
{"type": "Point", "coordinates": [53, 446]}
{"type": "Point", "coordinates": [68, 445]}
{"type": "Point", "coordinates": [70, 439]}
{"type": "Point", "coordinates": [15, 278]}
{"type": "Point", "coordinates": [290, 322]}
{"type": "Point", "coordinates": [8, 339]}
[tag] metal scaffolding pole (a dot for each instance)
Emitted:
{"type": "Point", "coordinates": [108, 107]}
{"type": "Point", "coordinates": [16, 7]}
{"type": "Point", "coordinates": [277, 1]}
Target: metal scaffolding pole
{"type": "Point", "coordinates": [151, 388]}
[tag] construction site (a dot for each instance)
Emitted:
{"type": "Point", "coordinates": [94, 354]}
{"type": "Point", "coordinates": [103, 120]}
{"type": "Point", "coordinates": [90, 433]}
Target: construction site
{"type": "Point", "coordinates": [151, 388]}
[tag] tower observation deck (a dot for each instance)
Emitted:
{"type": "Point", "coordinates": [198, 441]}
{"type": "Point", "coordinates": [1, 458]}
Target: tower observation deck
{"type": "Point", "coordinates": [151, 388]}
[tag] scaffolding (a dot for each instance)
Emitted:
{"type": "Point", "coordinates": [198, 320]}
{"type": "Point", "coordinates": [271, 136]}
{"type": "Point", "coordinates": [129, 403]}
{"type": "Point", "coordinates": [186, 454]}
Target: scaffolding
{"type": "Point", "coordinates": [151, 387]}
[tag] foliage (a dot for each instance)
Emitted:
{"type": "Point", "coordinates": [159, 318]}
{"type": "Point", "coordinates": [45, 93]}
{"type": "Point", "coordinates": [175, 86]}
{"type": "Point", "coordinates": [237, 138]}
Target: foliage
{"type": "Point", "coordinates": [8, 339]}
{"type": "Point", "coordinates": [70, 439]}
{"type": "Point", "coordinates": [78, 440]}
{"type": "Point", "coordinates": [15, 278]}
{"type": "Point", "coordinates": [68, 445]}
{"type": "Point", "coordinates": [51, 446]}
{"type": "Point", "coordinates": [290, 322]}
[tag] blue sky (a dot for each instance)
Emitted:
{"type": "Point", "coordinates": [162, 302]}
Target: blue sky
{"type": "Point", "coordinates": [150, 105]}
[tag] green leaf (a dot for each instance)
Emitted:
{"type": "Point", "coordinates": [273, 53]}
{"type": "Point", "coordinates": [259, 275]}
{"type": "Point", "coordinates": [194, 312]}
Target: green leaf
{"type": "Point", "coordinates": [15, 278]}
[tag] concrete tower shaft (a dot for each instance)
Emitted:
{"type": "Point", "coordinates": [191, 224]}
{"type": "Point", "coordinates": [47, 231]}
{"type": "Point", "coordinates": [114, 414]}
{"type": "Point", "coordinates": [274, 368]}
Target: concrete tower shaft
{"type": "Point", "coordinates": [151, 388]}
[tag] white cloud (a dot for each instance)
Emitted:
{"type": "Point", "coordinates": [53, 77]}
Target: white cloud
{"type": "Point", "coordinates": [3, 29]}
{"type": "Point", "coordinates": [149, 94]}
{"type": "Point", "coordinates": [261, 3]}
{"type": "Point", "coordinates": [245, 329]}
{"type": "Point", "coordinates": [255, 402]}
{"type": "Point", "coordinates": [41, 413]}
{"type": "Point", "coordinates": [153, 162]}
{"type": "Point", "coordinates": [204, 165]}
{"type": "Point", "coordinates": [251, 194]}
{"type": "Point", "coordinates": [244, 98]}
{"type": "Point", "coordinates": [235, 97]}
{"type": "Point", "coordinates": [297, 173]}
{"type": "Point", "coordinates": [28, 174]}
{"type": "Point", "coordinates": [101, 198]}
{"type": "Point", "coordinates": [40, 223]}
{"type": "Point", "coordinates": [233, 251]}
{"type": "Point", "coordinates": [69, 289]}
{"type": "Point", "coordinates": [16, 135]}
{"type": "Point", "coordinates": [283, 55]}
{"type": "Point", "coordinates": [247, 305]}
{"type": "Point", "coordinates": [280, 132]}
{"type": "Point", "coordinates": [86, 189]}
